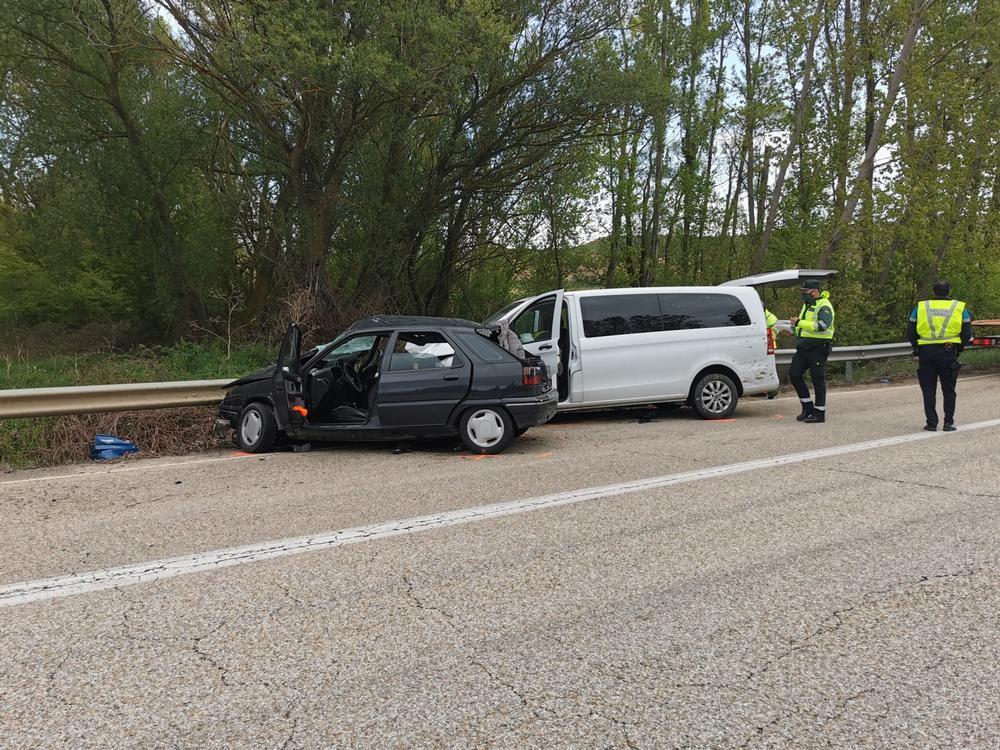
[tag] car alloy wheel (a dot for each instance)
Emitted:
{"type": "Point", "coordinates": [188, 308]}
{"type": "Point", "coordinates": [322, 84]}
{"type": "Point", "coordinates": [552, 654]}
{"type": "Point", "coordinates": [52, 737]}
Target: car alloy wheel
{"type": "Point", "coordinates": [485, 428]}
{"type": "Point", "coordinates": [251, 427]}
{"type": "Point", "coordinates": [257, 429]}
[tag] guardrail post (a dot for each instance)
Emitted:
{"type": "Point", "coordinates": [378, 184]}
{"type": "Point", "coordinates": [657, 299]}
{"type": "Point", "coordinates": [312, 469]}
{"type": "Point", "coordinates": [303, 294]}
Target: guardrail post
{"type": "Point", "coordinates": [849, 370]}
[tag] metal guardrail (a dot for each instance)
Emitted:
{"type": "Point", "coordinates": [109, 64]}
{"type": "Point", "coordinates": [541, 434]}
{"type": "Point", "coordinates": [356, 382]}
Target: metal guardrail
{"type": "Point", "coordinates": [852, 354]}
{"type": "Point", "coordinates": [46, 402]}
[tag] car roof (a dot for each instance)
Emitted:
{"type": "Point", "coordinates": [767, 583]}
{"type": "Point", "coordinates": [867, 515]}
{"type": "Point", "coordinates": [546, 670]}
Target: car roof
{"type": "Point", "coordinates": [381, 322]}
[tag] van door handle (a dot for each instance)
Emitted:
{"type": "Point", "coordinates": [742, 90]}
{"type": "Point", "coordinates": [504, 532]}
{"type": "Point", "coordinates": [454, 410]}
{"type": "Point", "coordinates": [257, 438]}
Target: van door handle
{"type": "Point", "coordinates": [544, 347]}
{"type": "Point", "coordinates": [451, 377]}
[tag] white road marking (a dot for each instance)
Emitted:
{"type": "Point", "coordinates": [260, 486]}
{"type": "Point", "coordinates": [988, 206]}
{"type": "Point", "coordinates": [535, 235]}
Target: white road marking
{"type": "Point", "coordinates": [142, 465]}
{"type": "Point", "coordinates": [126, 575]}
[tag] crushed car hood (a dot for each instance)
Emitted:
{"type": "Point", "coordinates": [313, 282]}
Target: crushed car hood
{"type": "Point", "coordinates": [266, 373]}
{"type": "Point", "coordinates": [263, 374]}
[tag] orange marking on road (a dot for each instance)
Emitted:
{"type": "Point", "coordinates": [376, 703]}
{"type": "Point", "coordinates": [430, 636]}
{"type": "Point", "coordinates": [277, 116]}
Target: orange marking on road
{"type": "Point", "coordinates": [479, 456]}
{"type": "Point", "coordinates": [241, 453]}
{"type": "Point", "coordinates": [721, 420]}
{"type": "Point", "coordinates": [778, 416]}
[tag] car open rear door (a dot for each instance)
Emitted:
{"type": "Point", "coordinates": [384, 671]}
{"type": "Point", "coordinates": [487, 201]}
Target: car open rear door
{"type": "Point", "coordinates": [536, 323]}
{"type": "Point", "coordinates": [286, 383]}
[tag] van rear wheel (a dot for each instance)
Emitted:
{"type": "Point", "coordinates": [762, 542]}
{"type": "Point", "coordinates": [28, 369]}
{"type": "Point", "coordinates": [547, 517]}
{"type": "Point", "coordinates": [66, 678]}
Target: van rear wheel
{"type": "Point", "coordinates": [714, 396]}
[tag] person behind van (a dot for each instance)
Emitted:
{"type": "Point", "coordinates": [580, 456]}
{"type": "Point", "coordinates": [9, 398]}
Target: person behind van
{"type": "Point", "coordinates": [771, 321]}
{"type": "Point", "coordinates": [814, 328]}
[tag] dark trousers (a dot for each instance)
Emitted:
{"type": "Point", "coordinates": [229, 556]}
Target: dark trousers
{"type": "Point", "coordinates": [813, 359]}
{"type": "Point", "coordinates": [938, 362]}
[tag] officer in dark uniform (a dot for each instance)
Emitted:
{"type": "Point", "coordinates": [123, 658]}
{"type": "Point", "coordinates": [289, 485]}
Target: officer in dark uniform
{"type": "Point", "coordinates": [939, 329]}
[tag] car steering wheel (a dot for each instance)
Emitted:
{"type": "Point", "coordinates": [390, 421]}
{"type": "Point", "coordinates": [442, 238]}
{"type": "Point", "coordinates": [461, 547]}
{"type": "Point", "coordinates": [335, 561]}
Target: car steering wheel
{"type": "Point", "coordinates": [352, 376]}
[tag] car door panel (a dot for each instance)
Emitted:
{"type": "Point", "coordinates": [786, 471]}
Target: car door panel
{"type": "Point", "coordinates": [536, 322]}
{"type": "Point", "coordinates": [286, 383]}
{"type": "Point", "coordinates": [421, 397]}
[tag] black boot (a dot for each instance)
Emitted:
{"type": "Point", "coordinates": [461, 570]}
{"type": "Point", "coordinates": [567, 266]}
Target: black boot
{"type": "Point", "coordinates": [807, 409]}
{"type": "Point", "coordinates": [816, 416]}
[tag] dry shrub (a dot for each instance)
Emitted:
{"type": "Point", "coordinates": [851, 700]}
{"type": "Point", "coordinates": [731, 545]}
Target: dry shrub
{"type": "Point", "coordinates": [155, 432]}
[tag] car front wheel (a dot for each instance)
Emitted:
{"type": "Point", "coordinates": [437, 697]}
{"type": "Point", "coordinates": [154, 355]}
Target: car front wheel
{"type": "Point", "coordinates": [486, 429]}
{"type": "Point", "coordinates": [714, 396]}
{"type": "Point", "coordinates": [257, 429]}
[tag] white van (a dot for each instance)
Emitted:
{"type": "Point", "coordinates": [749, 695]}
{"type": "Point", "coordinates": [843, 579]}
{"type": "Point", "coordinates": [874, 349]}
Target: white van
{"type": "Point", "coordinates": [701, 345]}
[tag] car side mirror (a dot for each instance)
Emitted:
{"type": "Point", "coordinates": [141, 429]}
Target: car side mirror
{"type": "Point", "coordinates": [287, 373]}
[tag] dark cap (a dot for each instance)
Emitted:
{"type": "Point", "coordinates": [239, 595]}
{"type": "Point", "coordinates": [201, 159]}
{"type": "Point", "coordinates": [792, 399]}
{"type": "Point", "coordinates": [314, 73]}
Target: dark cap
{"type": "Point", "coordinates": [810, 284]}
{"type": "Point", "coordinates": [942, 288]}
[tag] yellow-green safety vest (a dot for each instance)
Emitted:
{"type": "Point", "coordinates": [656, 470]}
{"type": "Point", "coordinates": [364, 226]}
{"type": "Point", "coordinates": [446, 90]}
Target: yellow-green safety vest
{"type": "Point", "coordinates": [939, 321]}
{"type": "Point", "coordinates": [806, 327]}
{"type": "Point", "coordinates": [770, 318]}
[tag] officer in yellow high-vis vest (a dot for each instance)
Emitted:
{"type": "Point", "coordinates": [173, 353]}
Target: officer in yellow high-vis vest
{"type": "Point", "coordinates": [814, 328]}
{"type": "Point", "coordinates": [939, 329]}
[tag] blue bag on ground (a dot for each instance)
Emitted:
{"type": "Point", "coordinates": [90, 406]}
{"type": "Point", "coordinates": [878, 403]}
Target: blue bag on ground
{"type": "Point", "coordinates": [106, 447]}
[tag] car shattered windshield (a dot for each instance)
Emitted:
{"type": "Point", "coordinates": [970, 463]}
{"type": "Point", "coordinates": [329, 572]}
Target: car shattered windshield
{"type": "Point", "coordinates": [351, 346]}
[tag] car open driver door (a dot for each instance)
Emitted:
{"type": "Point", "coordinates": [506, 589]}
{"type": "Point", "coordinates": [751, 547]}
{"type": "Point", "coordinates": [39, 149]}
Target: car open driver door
{"type": "Point", "coordinates": [286, 383]}
{"type": "Point", "coordinates": [536, 323]}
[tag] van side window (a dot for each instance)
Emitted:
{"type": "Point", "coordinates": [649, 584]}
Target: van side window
{"type": "Point", "coordinates": [683, 310]}
{"type": "Point", "coordinates": [614, 315]}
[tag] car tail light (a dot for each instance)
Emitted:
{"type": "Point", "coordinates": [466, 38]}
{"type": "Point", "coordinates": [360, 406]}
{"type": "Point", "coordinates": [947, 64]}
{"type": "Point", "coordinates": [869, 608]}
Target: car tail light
{"type": "Point", "coordinates": [531, 375]}
{"type": "Point", "coordinates": [770, 341]}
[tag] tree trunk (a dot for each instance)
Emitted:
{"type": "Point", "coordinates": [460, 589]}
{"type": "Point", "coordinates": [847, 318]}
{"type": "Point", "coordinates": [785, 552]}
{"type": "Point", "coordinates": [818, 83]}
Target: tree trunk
{"type": "Point", "coordinates": [919, 11]}
{"type": "Point", "coordinates": [798, 126]}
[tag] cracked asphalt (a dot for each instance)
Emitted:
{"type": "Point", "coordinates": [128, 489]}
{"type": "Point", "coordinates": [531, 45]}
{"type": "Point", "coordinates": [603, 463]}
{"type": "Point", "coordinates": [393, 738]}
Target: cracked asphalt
{"type": "Point", "coordinates": [850, 601]}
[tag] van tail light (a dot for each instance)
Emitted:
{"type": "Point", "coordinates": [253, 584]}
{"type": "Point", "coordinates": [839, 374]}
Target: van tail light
{"type": "Point", "coordinates": [531, 375]}
{"type": "Point", "coordinates": [770, 341]}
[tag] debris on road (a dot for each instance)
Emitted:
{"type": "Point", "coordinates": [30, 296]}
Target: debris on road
{"type": "Point", "coordinates": [108, 447]}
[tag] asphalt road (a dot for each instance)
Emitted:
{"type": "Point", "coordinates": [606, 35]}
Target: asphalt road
{"type": "Point", "coordinates": [844, 591]}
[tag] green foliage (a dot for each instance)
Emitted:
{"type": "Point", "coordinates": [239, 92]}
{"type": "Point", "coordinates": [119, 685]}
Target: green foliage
{"type": "Point", "coordinates": [182, 361]}
{"type": "Point", "coordinates": [222, 167]}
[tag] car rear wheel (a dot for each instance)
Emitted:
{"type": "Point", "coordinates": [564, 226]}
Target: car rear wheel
{"type": "Point", "coordinates": [715, 396]}
{"type": "Point", "coordinates": [257, 429]}
{"type": "Point", "coordinates": [486, 429]}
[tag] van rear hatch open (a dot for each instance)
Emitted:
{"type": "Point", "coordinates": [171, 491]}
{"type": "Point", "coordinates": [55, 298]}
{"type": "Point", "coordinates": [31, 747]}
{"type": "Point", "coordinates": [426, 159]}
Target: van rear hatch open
{"type": "Point", "coordinates": [788, 277]}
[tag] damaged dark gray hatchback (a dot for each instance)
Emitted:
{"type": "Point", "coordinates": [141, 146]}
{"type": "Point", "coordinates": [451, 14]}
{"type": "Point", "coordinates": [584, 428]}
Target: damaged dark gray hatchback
{"type": "Point", "coordinates": [391, 378]}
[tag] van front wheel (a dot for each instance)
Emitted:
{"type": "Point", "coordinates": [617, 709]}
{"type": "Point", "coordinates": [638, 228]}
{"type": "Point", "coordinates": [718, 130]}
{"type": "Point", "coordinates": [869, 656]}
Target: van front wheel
{"type": "Point", "coordinates": [714, 396]}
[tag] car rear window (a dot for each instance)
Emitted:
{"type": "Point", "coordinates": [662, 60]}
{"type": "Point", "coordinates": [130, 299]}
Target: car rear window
{"type": "Point", "coordinates": [684, 310]}
{"type": "Point", "coordinates": [484, 348]}
{"type": "Point", "coordinates": [617, 314]}
{"type": "Point", "coordinates": [422, 351]}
